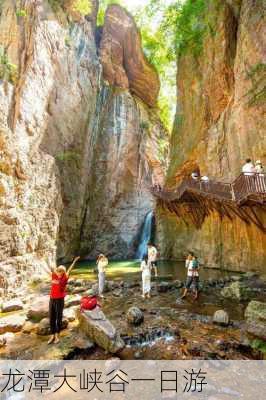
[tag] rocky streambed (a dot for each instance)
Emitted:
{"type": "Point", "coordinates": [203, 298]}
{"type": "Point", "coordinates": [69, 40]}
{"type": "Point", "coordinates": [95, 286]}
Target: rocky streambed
{"type": "Point", "coordinates": [227, 322]}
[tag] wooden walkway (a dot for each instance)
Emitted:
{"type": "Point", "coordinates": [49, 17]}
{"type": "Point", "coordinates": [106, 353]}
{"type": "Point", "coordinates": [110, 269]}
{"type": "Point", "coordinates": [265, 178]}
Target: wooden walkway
{"type": "Point", "coordinates": [244, 198]}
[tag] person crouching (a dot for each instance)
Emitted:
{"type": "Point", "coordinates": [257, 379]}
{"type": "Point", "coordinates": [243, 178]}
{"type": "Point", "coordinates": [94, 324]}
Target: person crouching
{"type": "Point", "coordinates": [59, 277]}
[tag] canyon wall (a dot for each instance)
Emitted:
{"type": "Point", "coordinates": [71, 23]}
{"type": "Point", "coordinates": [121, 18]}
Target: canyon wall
{"type": "Point", "coordinates": [219, 123]}
{"type": "Point", "coordinates": [78, 153]}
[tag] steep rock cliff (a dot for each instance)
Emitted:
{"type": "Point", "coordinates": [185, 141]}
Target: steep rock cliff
{"type": "Point", "coordinates": [127, 160]}
{"type": "Point", "coordinates": [122, 57]}
{"type": "Point", "coordinates": [77, 156]}
{"type": "Point", "coordinates": [46, 113]}
{"type": "Point", "coordinates": [219, 122]}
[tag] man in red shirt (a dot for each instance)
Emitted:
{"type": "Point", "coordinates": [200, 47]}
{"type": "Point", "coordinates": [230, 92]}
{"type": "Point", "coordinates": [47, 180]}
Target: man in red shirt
{"type": "Point", "coordinates": [59, 277]}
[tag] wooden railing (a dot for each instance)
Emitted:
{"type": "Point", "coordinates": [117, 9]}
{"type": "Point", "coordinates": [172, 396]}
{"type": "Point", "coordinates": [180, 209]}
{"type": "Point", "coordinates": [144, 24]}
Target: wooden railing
{"type": "Point", "coordinates": [238, 191]}
{"type": "Point", "coordinates": [247, 185]}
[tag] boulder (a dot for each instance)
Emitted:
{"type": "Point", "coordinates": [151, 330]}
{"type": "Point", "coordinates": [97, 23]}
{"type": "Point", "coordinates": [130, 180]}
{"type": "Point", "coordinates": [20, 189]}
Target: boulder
{"type": "Point", "coordinates": [178, 284]}
{"type": "Point", "coordinates": [237, 291]}
{"type": "Point", "coordinates": [255, 315]}
{"type": "Point", "coordinates": [39, 309]}
{"type": "Point", "coordinates": [70, 314]}
{"type": "Point", "coordinates": [100, 330]}
{"type": "Point", "coordinates": [12, 323]}
{"type": "Point", "coordinates": [43, 328]}
{"type": "Point", "coordinates": [117, 292]}
{"type": "Point", "coordinates": [163, 287]}
{"type": "Point", "coordinates": [72, 300]}
{"type": "Point", "coordinates": [12, 305]}
{"type": "Point", "coordinates": [221, 317]}
{"type": "Point", "coordinates": [29, 327]}
{"type": "Point", "coordinates": [135, 316]}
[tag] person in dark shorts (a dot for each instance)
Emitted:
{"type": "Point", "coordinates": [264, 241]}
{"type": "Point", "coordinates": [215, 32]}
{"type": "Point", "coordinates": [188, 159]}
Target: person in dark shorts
{"type": "Point", "coordinates": [192, 264]}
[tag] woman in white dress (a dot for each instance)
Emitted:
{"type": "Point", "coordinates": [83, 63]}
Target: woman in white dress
{"type": "Point", "coordinates": [102, 263]}
{"type": "Point", "coordinates": [146, 277]}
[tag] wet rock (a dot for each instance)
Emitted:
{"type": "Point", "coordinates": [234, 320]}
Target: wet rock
{"type": "Point", "coordinates": [12, 305]}
{"type": "Point", "coordinates": [29, 327]}
{"type": "Point", "coordinates": [255, 315]}
{"type": "Point", "coordinates": [135, 316]}
{"type": "Point", "coordinates": [178, 284]}
{"type": "Point", "coordinates": [100, 330]}
{"type": "Point", "coordinates": [39, 309]}
{"type": "Point", "coordinates": [163, 287]}
{"type": "Point", "coordinates": [43, 328]}
{"type": "Point", "coordinates": [72, 300]}
{"type": "Point", "coordinates": [79, 289]}
{"type": "Point", "coordinates": [12, 323]}
{"type": "Point", "coordinates": [237, 291]}
{"type": "Point", "coordinates": [236, 278]}
{"type": "Point", "coordinates": [221, 317]}
{"type": "Point", "coordinates": [117, 292]}
{"type": "Point", "coordinates": [70, 313]}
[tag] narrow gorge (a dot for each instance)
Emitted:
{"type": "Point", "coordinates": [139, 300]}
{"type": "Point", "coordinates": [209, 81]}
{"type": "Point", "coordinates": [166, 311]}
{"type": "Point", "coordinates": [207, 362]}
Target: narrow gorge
{"type": "Point", "coordinates": [80, 136]}
{"type": "Point", "coordinates": [124, 129]}
{"type": "Point", "coordinates": [82, 143]}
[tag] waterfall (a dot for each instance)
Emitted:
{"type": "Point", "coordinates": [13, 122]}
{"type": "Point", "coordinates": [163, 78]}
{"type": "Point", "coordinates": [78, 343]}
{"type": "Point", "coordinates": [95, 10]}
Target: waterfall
{"type": "Point", "coordinates": [145, 236]}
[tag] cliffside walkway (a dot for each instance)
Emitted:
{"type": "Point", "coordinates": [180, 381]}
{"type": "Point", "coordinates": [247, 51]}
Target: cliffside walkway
{"type": "Point", "coordinates": [243, 197]}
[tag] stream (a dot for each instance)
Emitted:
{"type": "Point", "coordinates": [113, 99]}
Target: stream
{"type": "Point", "coordinates": [172, 328]}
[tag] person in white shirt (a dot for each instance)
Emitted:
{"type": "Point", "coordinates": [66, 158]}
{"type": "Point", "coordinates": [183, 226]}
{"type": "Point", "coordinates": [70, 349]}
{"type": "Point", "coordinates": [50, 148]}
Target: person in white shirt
{"type": "Point", "coordinates": [146, 277]}
{"type": "Point", "coordinates": [259, 167]}
{"type": "Point", "coordinates": [248, 168]}
{"type": "Point", "coordinates": [260, 180]}
{"type": "Point", "coordinates": [195, 176]}
{"type": "Point", "coordinates": [192, 266]}
{"type": "Point", "coordinates": [152, 258]}
{"type": "Point", "coordinates": [102, 263]}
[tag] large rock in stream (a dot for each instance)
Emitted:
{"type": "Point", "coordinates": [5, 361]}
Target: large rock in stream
{"type": "Point", "coordinates": [100, 330]}
{"type": "Point", "coordinates": [255, 315]}
{"type": "Point", "coordinates": [237, 291]}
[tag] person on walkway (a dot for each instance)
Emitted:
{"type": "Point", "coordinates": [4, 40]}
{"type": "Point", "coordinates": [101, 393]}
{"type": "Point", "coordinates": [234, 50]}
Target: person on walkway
{"type": "Point", "coordinates": [260, 177]}
{"type": "Point", "coordinates": [102, 263]}
{"type": "Point", "coordinates": [192, 265]}
{"type": "Point", "coordinates": [146, 277]}
{"type": "Point", "coordinates": [195, 176]}
{"type": "Point", "coordinates": [248, 168]}
{"type": "Point", "coordinates": [152, 257]}
{"type": "Point", "coordinates": [259, 167]}
{"type": "Point", "coordinates": [59, 277]}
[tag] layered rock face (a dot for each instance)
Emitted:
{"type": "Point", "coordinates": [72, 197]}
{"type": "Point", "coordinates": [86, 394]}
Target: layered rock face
{"type": "Point", "coordinates": [122, 57]}
{"type": "Point", "coordinates": [127, 160]}
{"type": "Point", "coordinates": [46, 116]}
{"type": "Point", "coordinates": [219, 124]}
{"type": "Point", "coordinates": [77, 156]}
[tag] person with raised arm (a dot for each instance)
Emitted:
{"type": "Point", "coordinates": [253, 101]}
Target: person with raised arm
{"type": "Point", "coordinates": [59, 276]}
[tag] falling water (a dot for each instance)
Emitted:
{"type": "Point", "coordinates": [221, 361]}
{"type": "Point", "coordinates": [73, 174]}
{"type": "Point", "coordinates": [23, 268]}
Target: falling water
{"type": "Point", "coordinates": [145, 236]}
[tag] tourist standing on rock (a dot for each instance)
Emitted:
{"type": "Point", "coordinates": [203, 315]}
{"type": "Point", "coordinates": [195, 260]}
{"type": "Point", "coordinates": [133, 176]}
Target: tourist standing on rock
{"type": "Point", "coordinates": [102, 263]}
{"type": "Point", "coordinates": [152, 257]}
{"type": "Point", "coordinates": [59, 277]}
{"type": "Point", "coordinates": [192, 265]}
{"type": "Point", "coordinates": [146, 277]}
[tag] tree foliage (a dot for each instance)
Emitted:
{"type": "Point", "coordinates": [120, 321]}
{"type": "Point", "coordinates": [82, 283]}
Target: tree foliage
{"type": "Point", "coordinates": [169, 29]}
{"type": "Point", "coordinates": [103, 4]}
